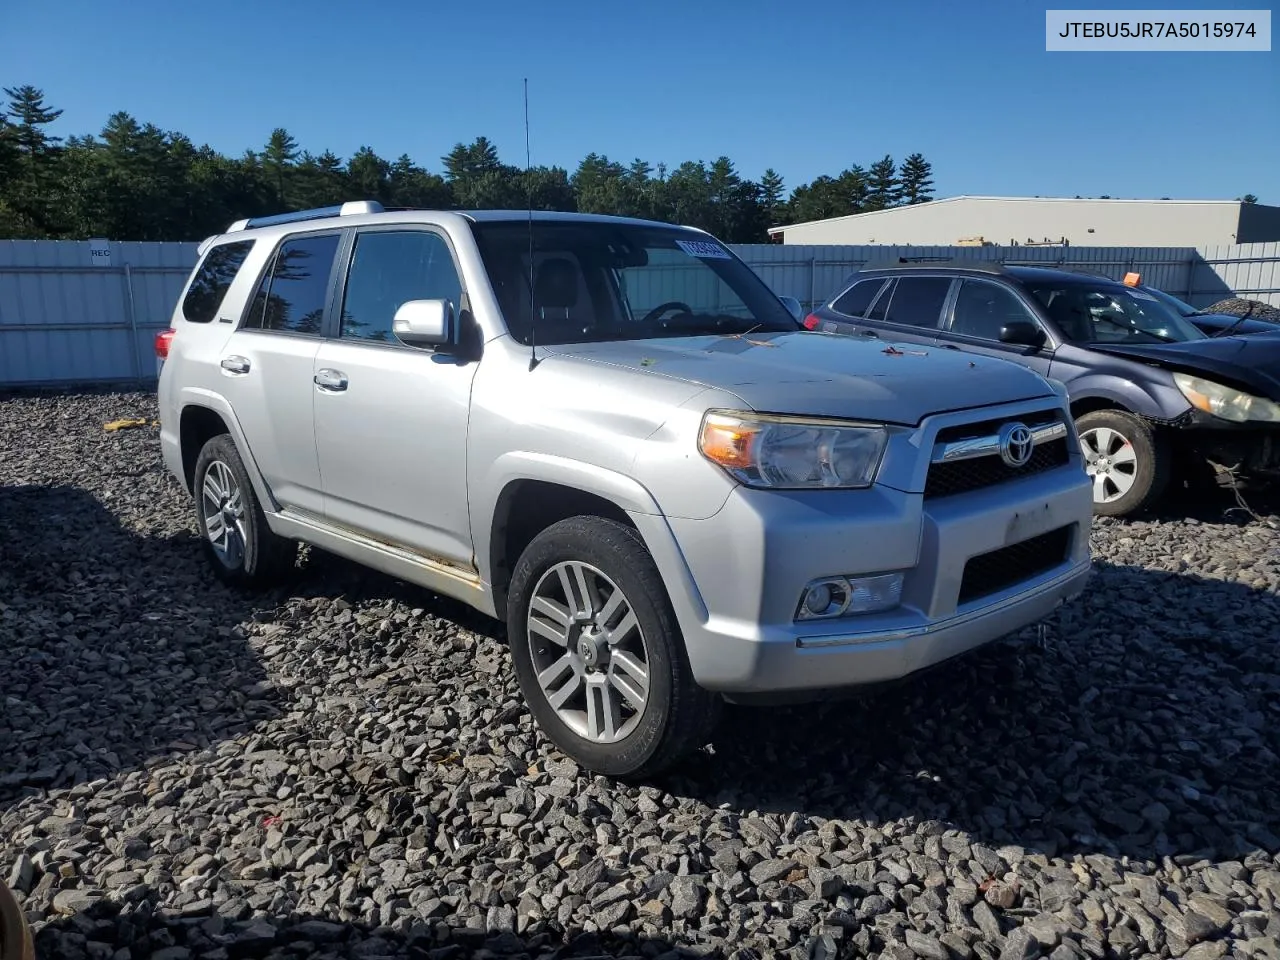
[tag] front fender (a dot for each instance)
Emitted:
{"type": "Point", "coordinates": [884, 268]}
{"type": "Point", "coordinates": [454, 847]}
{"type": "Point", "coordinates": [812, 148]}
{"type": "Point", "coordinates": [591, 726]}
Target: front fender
{"type": "Point", "coordinates": [210, 400]}
{"type": "Point", "coordinates": [523, 465]}
{"type": "Point", "coordinates": [1157, 401]}
{"type": "Point", "coordinates": [627, 493]}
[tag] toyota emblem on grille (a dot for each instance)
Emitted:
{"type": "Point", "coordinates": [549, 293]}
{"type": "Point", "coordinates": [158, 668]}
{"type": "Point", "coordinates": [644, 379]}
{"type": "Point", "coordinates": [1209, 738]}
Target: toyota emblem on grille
{"type": "Point", "coordinates": [1015, 444]}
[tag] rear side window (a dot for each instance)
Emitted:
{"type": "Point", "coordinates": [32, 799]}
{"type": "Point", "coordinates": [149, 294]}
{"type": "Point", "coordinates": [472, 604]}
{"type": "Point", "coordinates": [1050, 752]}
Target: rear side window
{"type": "Point", "coordinates": [855, 301]}
{"type": "Point", "coordinates": [212, 280]}
{"type": "Point", "coordinates": [292, 295]}
{"type": "Point", "coordinates": [882, 302]}
{"type": "Point", "coordinates": [917, 301]}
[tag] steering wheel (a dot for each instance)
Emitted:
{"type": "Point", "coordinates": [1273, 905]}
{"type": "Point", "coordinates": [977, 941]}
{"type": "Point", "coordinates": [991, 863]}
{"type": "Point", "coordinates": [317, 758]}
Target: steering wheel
{"type": "Point", "coordinates": [662, 308]}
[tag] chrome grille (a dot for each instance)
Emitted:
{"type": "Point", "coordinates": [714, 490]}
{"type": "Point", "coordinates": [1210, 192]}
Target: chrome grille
{"type": "Point", "coordinates": [971, 456]}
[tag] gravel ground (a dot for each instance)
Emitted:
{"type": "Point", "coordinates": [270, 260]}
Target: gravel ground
{"type": "Point", "coordinates": [343, 767]}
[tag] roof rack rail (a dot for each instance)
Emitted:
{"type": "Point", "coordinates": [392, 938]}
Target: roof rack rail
{"type": "Point", "coordinates": [349, 209]}
{"type": "Point", "coordinates": [931, 263]}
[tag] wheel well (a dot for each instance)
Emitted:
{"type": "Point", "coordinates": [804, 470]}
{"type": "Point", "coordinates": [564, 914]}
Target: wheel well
{"type": "Point", "coordinates": [197, 426]}
{"type": "Point", "coordinates": [1092, 404]}
{"type": "Point", "coordinates": [525, 509]}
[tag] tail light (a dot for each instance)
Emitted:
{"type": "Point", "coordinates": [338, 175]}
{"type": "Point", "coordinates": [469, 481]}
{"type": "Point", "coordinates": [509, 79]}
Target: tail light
{"type": "Point", "coordinates": [812, 321]}
{"type": "Point", "coordinates": [163, 340]}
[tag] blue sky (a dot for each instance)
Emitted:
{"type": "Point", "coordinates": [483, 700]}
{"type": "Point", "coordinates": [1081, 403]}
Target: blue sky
{"type": "Point", "coordinates": [807, 88]}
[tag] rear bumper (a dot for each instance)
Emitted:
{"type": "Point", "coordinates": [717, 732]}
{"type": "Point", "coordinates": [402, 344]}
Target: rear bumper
{"type": "Point", "coordinates": [739, 576]}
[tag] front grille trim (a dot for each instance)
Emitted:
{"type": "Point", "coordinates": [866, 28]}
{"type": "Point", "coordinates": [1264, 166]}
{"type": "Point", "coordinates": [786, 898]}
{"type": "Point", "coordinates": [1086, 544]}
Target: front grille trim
{"type": "Point", "coordinates": [966, 457]}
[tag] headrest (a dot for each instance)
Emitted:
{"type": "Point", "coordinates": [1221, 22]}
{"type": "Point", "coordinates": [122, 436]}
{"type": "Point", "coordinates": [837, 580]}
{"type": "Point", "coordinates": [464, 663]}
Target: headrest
{"type": "Point", "coordinates": [557, 285]}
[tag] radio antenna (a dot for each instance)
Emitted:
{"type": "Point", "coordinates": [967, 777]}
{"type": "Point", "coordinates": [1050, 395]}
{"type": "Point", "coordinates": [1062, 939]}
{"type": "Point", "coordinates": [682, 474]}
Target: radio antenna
{"type": "Point", "coordinates": [528, 192]}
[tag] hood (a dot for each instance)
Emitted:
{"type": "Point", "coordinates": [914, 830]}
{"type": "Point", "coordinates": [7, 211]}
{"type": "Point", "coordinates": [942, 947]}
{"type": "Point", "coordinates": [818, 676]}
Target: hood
{"type": "Point", "coordinates": [1252, 362]}
{"type": "Point", "coordinates": [1211, 323]}
{"type": "Point", "coordinates": [825, 375]}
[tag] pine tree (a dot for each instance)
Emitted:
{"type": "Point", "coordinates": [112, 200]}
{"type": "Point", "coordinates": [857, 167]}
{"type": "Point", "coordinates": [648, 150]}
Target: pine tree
{"type": "Point", "coordinates": [277, 158]}
{"type": "Point", "coordinates": [772, 194]}
{"type": "Point", "coordinates": [885, 187]}
{"type": "Point", "coordinates": [917, 183]}
{"type": "Point", "coordinates": [854, 186]}
{"type": "Point", "coordinates": [30, 116]}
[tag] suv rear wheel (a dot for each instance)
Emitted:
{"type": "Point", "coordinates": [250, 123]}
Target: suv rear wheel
{"type": "Point", "coordinates": [234, 534]}
{"type": "Point", "coordinates": [598, 653]}
{"type": "Point", "coordinates": [1128, 462]}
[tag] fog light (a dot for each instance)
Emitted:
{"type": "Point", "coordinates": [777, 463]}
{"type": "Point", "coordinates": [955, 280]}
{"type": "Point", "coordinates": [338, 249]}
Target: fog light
{"type": "Point", "coordinates": [826, 598]}
{"type": "Point", "coordinates": [840, 596]}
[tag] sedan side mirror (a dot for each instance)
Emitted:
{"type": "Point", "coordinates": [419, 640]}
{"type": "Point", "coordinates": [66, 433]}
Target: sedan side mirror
{"type": "Point", "coordinates": [424, 323]}
{"type": "Point", "coordinates": [1024, 333]}
{"type": "Point", "coordinates": [793, 305]}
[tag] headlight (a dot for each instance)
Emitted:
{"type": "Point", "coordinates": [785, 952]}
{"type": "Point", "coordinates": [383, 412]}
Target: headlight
{"type": "Point", "coordinates": [1225, 402]}
{"type": "Point", "coordinates": [792, 452]}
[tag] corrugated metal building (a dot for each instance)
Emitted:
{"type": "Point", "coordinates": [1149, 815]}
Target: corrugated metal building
{"type": "Point", "coordinates": [1009, 221]}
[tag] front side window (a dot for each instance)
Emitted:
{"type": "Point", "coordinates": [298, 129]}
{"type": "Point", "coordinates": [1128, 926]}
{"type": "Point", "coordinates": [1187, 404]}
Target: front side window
{"type": "Point", "coordinates": [918, 301]}
{"type": "Point", "coordinates": [390, 268]}
{"type": "Point", "coordinates": [1112, 313]}
{"type": "Point", "coordinates": [855, 301]}
{"type": "Point", "coordinates": [213, 279]}
{"type": "Point", "coordinates": [983, 308]}
{"type": "Point", "coordinates": [604, 281]}
{"type": "Point", "coordinates": [292, 295]}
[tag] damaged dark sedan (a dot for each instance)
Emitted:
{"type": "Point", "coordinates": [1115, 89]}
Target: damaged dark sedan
{"type": "Point", "coordinates": [1154, 397]}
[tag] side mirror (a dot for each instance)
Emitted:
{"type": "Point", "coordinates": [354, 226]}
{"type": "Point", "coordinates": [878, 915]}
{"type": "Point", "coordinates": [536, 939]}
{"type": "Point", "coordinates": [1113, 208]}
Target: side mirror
{"type": "Point", "coordinates": [1024, 333]}
{"type": "Point", "coordinates": [793, 305]}
{"type": "Point", "coordinates": [424, 323]}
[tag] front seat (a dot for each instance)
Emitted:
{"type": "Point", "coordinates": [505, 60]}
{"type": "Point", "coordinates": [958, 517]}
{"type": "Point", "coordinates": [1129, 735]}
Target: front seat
{"type": "Point", "coordinates": [555, 295]}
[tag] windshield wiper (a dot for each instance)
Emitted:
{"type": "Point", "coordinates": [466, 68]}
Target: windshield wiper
{"type": "Point", "coordinates": [1233, 327]}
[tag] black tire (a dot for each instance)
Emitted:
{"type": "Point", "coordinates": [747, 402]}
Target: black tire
{"type": "Point", "coordinates": [265, 557]}
{"type": "Point", "coordinates": [678, 716]}
{"type": "Point", "coordinates": [1152, 462]}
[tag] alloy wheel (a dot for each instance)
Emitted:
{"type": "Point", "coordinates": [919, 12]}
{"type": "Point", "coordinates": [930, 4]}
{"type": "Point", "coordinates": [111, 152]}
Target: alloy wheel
{"type": "Point", "coordinates": [1111, 461]}
{"type": "Point", "coordinates": [222, 510]}
{"type": "Point", "coordinates": [589, 651]}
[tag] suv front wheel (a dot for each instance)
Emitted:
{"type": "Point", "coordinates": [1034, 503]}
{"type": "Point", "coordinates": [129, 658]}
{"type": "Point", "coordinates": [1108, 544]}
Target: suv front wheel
{"type": "Point", "coordinates": [1128, 462]}
{"type": "Point", "coordinates": [234, 534]}
{"type": "Point", "coordinates": [598, 653]}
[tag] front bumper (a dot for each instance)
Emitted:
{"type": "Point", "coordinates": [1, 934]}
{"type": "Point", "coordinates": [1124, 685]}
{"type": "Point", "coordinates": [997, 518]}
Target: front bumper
{"type": "Point", "coordinates": [1252, 448]}
{"type": "Point", "coordinates": [740, 575]}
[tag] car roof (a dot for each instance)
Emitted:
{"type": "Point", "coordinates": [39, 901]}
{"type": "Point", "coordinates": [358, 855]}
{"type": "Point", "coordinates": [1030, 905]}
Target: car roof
{"type": "Point", "coordinates": [990, 268]}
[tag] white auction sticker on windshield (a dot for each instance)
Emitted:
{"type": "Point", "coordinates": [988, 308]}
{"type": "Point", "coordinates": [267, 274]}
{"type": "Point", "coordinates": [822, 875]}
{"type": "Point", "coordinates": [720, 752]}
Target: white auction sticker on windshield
{"type": "Point", "coordinates": [705, 249]}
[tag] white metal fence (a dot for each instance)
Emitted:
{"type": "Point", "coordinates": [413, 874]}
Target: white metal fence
{"type": "Point", "coordinates": [87, 311]}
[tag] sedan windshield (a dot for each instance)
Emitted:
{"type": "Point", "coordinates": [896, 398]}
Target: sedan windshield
{"type": "Point", "coordinates": [1087, 313]}
{"type": "Point", "coordinates": [594, 281]}
{"type": "Point", "coordinates": [1179, 306]}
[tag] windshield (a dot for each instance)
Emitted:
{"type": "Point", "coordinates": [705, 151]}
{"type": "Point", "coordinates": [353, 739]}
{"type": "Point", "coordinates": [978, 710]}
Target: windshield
{"type": "Point", "coordinates": [1087, 313]}
{"type": "Point", "coordinates": [597, 281]}
{"type": "Point", "coordinates": [1182, 307]}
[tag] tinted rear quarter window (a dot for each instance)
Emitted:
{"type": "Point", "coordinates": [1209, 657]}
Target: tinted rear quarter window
{"type": "Point", "coordinates": [212, 280]}
{"type": "Point", "coordinates": [292, 295]}
{"type": "Point", "coordinates": [918, 301]}
{"type": "Point", "coordinates": [855, 301]}
{"type": "Point", "coordinates": [882, 301]}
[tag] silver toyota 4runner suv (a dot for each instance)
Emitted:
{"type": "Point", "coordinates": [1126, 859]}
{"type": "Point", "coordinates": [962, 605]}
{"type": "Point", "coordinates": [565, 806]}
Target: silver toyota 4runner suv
{"type": "Point", "coordinates": [611, 434]}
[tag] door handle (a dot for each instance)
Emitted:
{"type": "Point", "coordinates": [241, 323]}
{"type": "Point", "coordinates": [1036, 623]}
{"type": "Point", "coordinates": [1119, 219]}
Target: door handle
{"type": "Point", "coordinates": [327, 379]}
{"type": "Point", "coordinates": [235, 364]}
{"type": "Point", "coordinates": [869, 333]}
